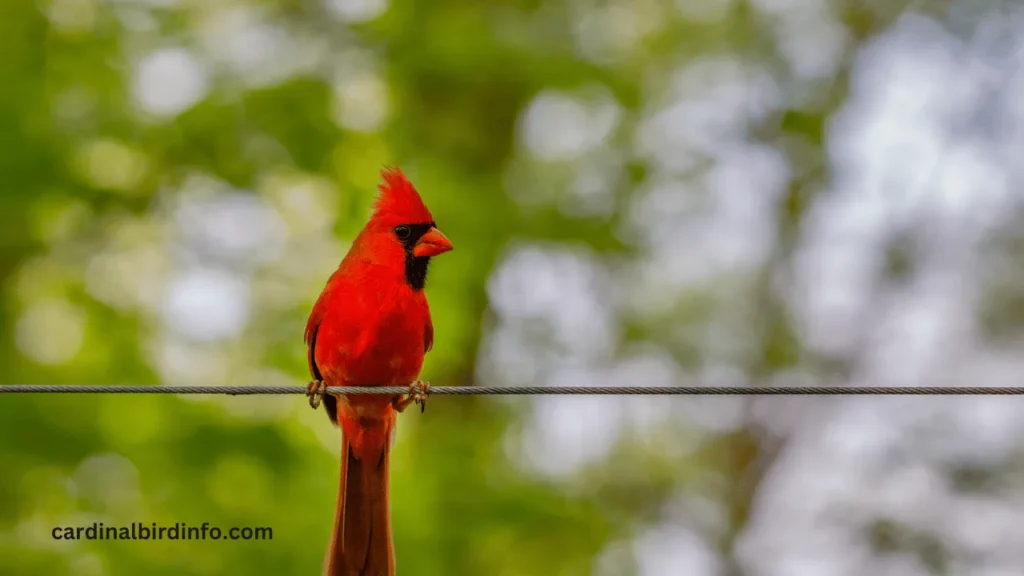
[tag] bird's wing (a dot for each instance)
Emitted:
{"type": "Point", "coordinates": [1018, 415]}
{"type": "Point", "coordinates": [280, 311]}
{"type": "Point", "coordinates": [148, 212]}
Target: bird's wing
{"type": "Point", "coordinates": [310, 337]}
{"type": "Point", "coordinates": [312, 327]}
{"type": "Point", "coordinates": [428, 336]}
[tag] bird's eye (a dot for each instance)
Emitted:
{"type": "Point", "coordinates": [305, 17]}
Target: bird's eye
{"type": "Point", "coordinates": [402, 232]}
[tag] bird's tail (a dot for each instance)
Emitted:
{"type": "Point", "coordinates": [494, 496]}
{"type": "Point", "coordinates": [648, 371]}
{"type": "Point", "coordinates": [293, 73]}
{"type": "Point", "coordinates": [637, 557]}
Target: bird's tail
{"type": "Point", "coordinates": [361, 543]}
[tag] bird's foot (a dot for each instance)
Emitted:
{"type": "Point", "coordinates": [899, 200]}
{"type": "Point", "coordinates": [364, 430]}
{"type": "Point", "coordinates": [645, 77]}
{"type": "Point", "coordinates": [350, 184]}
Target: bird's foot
{"type": "Point", "coordinates": [418, 392]}
{"type": "Point", "coordinates": [315, 391]}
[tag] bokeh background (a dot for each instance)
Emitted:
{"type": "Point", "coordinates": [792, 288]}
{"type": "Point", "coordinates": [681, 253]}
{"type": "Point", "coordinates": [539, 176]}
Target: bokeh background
{"type": "Point", "coordinates": [741, 192]}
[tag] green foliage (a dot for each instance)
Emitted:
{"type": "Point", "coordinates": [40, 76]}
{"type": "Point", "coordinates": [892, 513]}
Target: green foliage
{"type": "Point", "coordinates": [459, 506]}
{"type": "Point", "coordinates": [90, 239]}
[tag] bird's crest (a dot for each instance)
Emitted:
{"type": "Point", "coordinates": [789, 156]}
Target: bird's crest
{"type": "Point", "coordinates": [398, 201]}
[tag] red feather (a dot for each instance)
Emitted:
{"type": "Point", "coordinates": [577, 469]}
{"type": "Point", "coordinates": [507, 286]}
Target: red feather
{"type": "Point", "coordinates": [370, 327]}
{"type": "Point", "coordinates": [398, 202]}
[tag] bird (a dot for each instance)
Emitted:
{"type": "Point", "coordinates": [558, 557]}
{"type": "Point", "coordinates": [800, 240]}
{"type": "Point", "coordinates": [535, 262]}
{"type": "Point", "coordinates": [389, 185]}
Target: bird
{"type": "Point", "coordinates": [371, 326]}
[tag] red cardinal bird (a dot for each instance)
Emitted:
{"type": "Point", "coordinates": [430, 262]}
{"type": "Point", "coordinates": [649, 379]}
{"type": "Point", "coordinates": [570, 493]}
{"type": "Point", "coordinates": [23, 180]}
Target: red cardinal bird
{"type": "Point", "coordinates": [371, 327]}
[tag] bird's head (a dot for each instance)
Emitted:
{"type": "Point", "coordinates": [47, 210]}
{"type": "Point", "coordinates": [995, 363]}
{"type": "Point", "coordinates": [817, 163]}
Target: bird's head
{"type": "Point", "coordinates": [402, 220]}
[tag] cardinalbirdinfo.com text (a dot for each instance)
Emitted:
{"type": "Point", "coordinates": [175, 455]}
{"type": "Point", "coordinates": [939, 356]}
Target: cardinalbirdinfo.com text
{"type": "Point", "coordinates": [176, 531]}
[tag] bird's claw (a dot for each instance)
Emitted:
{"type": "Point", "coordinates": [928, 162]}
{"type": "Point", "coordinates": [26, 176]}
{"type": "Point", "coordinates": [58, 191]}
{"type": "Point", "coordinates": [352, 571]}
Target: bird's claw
{"type": "Point", "coordinates": [418, 392]}
{"type": "Point", "coordinates": [315, 391]}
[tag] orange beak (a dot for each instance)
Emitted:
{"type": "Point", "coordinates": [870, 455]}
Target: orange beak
{"type": "Point", "coordinates": [431, 244]}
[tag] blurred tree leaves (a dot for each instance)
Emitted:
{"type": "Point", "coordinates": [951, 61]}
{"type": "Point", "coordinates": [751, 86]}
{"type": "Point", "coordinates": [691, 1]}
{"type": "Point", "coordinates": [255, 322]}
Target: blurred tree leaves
{"type": "Point", "coordinates": [81, 164]}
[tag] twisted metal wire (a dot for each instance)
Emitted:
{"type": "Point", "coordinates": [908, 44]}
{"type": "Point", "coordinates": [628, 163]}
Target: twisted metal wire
{"type": "Point", "coordinates": [531, 390]}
